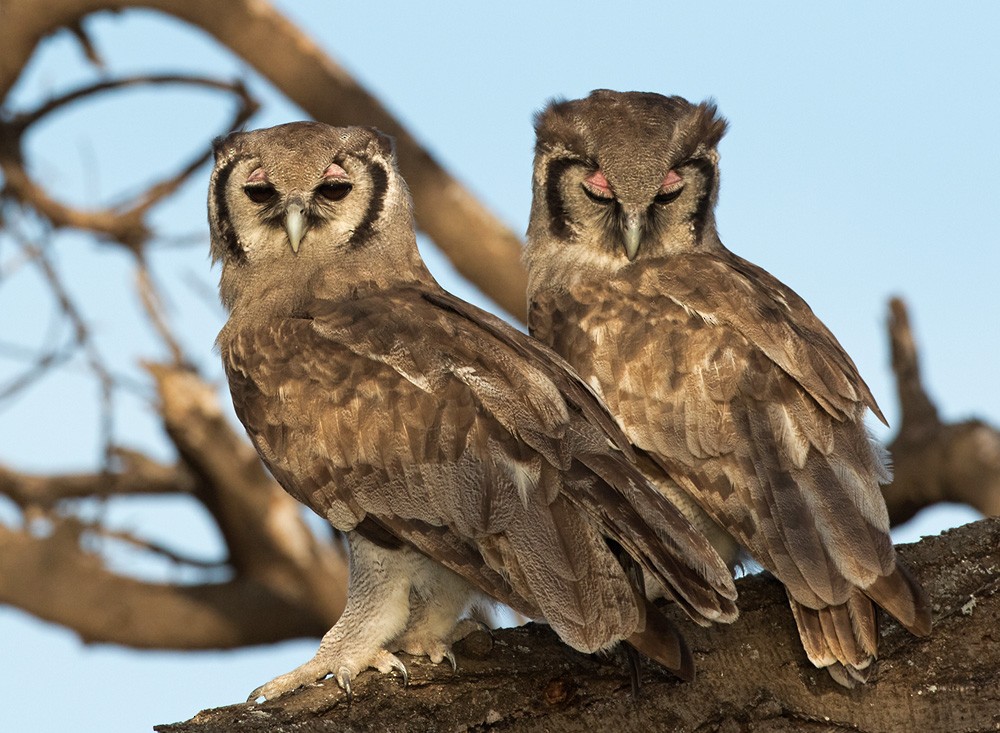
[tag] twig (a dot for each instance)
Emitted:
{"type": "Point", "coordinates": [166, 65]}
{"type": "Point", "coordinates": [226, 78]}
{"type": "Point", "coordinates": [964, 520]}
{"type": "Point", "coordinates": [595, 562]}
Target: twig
{"type": "Point", "coordinates": [123, 224]}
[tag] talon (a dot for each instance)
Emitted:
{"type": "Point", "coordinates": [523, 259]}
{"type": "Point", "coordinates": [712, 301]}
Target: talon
{"type": "Point", "coordinates": [401, 668]}
{"type": "Point", "coordinates": [450, 656]}
{"type": "Point", "coordinates": [344, 680]}
{"type": "Point", "coordinates": [255, 694]}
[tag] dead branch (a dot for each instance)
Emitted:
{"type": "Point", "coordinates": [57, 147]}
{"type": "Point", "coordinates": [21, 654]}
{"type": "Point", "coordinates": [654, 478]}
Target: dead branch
{"type": "Point", "coordinates": [263, 527]}
{"type": "Point", "coordinates": [752, 675]}
{"type": "Point", "coordinates": [52, 578]}
{"type": "Point", "coordinates": [123, 224]}
{"type": "Point", "coordinates": [935, 461]}
{"type": "Point", "coordinates": [137, 474]}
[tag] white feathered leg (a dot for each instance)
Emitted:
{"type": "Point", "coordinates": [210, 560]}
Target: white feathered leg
{"type": "Point", "coordinates": [378, 609]}
{"type": "Point", "coordinates": [439, 599]}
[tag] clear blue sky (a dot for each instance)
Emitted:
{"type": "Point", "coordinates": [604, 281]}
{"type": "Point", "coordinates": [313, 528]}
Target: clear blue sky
{"type": "Point", "coordinates": [861, 163]}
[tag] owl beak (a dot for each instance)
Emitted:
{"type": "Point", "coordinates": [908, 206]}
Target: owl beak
{"type": "Point", "coordinates": [633, 233]}
{"type": "Point", "coordinates": [295, 222]}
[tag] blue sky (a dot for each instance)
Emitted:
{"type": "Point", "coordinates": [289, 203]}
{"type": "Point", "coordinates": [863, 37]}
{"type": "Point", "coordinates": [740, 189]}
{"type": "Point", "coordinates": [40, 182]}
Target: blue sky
{"type": "Point", "coordinates": [861, 163]}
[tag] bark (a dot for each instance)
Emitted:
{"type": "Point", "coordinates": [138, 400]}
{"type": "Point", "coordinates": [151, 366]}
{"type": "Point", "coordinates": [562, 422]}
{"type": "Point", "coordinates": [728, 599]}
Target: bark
{"type": "Point", "coordinates": [752, 675]}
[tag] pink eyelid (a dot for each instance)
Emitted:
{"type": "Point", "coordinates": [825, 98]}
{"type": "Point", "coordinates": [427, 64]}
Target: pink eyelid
{"type": "Point", "coordinates": [258, 176]}
{"type": "Point", "coordinates": [671, 180]}
{"type": "Point", "coordinates": [335, 171]}
{"type": "Point", "coordinates": [598, 181]}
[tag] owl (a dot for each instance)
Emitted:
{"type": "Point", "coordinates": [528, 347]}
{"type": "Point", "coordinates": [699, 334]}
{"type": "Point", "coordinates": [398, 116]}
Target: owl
{"type": "Point", "coordinates": [750, 413]}
{"type": "Point", "coordinates": [462, 458]}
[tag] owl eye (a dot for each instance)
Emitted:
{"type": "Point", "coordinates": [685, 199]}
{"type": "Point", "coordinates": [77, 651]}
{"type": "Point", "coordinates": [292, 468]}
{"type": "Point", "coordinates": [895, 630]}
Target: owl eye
{"type": "Point", "coordinates": [334, 190]}
{"type": "Point", "coordinates": [596, 186]}
{"type": "Point", "coordinates": [670, 189]}
{"type": "Point", "coordinates": [260, 193]}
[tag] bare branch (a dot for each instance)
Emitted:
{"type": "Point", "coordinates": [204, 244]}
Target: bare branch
{"type": "Point", "coordinates": [934, 461]}
{"type": "Point", "coordinates": [138, 474]}
{"type": "Point", "coordinates": [752, 675]}
{"type": "Point", "coordinates": [86, 44]}
{"type": "Point", "coordinates": [152, 304]}
{"type": "Point", "coordinates": [262, 525]}
{"type": "Point", "coordinates": [54, 579]}
{"type": "Point", "coordinates": [155, 548]}
{"type": "Point", "coordinates": [124, 224]}
{"type": "Point", "coordinates": [919, 415]}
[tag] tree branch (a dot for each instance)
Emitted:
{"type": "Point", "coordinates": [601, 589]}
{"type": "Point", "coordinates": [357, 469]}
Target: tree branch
{"type": "Point", "coordinates": [124, 224]}
{"type": "Point", "coordinates": [752, 675]}
{"type": "Point", "coordinates": [262, 525]}
{"type": "Point", "coordinates": [53, 579]}
{"type": "Point", "coordinates": [137, 474]}
{"type": "Point", "coordinates": [935, 461]}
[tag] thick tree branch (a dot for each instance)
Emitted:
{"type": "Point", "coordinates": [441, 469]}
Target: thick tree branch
{"type": "Point", "coordinates": [53, 579]}
{"type": "Point", "coordinates": [935, 461]}
{"type": "Point", "coordinates": [263, 527]}
{"type": "Point", "coordinates": [752, 675]}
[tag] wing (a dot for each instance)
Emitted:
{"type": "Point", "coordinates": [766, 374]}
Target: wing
{"type": "Point", "coordinates": [406, 412]}
{"type": "Point", "coordinates": [728, 379]}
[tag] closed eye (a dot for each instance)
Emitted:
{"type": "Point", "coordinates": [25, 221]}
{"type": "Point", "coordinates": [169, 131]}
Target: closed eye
{"type": "Point", "coordinates": [596, 186]}
{"type": "Point", "coordinates": [666, 197]}
{"type": "Point", "coordinates": [598, 196]}
{"type": "Point", "coordinates": [670, 188]}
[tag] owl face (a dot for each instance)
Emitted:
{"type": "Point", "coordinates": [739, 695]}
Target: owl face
{"type": "Point", "coordinates": [297, 190]}
{"type": "Point", "coordinates": [298, 201]}
{"type": "Point", "coordinates": [620, 176]}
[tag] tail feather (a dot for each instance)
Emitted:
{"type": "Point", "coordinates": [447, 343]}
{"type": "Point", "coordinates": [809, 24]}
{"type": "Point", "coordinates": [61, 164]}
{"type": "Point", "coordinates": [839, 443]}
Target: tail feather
{"type": "Point", "coordinates": [841, 638]}
{"type": "Point", "coordinates": [902, 596]}
{"type": "Point", "coordinates": [661, 641]}
{"type": "Point", "coordinates": [844, 638]}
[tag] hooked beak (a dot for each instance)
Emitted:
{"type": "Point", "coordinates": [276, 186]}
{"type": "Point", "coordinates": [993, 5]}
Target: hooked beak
{"type": "Point", "coordinates": [633, 233]}
{"type": "Point", "coordinates": [295, 222]}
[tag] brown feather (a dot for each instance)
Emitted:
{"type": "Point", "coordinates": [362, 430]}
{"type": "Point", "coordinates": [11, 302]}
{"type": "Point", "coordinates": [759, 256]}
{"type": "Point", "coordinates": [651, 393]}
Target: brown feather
{"type": "Point", "coordinates": [739, 394]}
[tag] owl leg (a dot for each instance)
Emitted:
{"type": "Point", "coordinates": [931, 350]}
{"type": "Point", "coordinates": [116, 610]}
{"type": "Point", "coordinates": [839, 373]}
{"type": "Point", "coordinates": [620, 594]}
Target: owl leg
{"type": "Point", "coordinates": [438, 600]}
{"type": "Point", "coordinates": [378, 608]}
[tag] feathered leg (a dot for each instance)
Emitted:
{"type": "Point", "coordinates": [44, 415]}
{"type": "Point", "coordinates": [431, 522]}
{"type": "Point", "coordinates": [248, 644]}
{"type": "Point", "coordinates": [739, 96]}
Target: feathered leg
{"type": "Point", "coordinates": [438, 600]}
{"type": "Point", "coordinates": [377, 611]}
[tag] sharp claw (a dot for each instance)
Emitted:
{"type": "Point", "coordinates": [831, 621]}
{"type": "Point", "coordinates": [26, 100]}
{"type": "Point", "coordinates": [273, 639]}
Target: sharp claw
{"type": "Point", "coordinates": [401, 668]}
{"type": "Point", "coordinates": [450, 656]}
{"type": "Point", "coordinates": [344, 680]}
{"type": "Point", "coordinates": [255, 694]}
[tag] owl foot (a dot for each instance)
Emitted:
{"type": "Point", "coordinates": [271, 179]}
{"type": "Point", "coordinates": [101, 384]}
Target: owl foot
{"type": "Point", "coordinates": [344, 669]}
{"type": "Point", "coordinates": [422, 642]}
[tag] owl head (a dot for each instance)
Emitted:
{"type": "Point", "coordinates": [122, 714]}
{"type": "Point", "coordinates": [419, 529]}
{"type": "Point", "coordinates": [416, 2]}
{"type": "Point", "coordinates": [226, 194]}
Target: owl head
{"type": "Point", "coordinates": [624, 175]}
{"type": "Point", "coordinates": [289, 201]}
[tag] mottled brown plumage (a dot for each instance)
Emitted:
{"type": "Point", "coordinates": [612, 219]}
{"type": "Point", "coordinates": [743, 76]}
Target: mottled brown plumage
{"type": "Point", "coordinates": [724, 375]}
{"type": "Point", "coordinates": [461, 456]}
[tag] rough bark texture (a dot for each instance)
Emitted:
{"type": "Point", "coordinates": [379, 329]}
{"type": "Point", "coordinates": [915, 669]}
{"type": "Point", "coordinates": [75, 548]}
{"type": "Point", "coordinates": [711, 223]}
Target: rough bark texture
{"type": "Point", "coordinates": [752, 676]}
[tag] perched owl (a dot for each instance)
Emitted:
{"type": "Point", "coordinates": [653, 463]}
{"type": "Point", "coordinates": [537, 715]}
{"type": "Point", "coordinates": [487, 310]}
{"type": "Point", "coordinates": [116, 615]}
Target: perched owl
{"type": "Point", "coordinates": [749, 409]}
{"type": "Point", "coordinates": [460, 456]}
